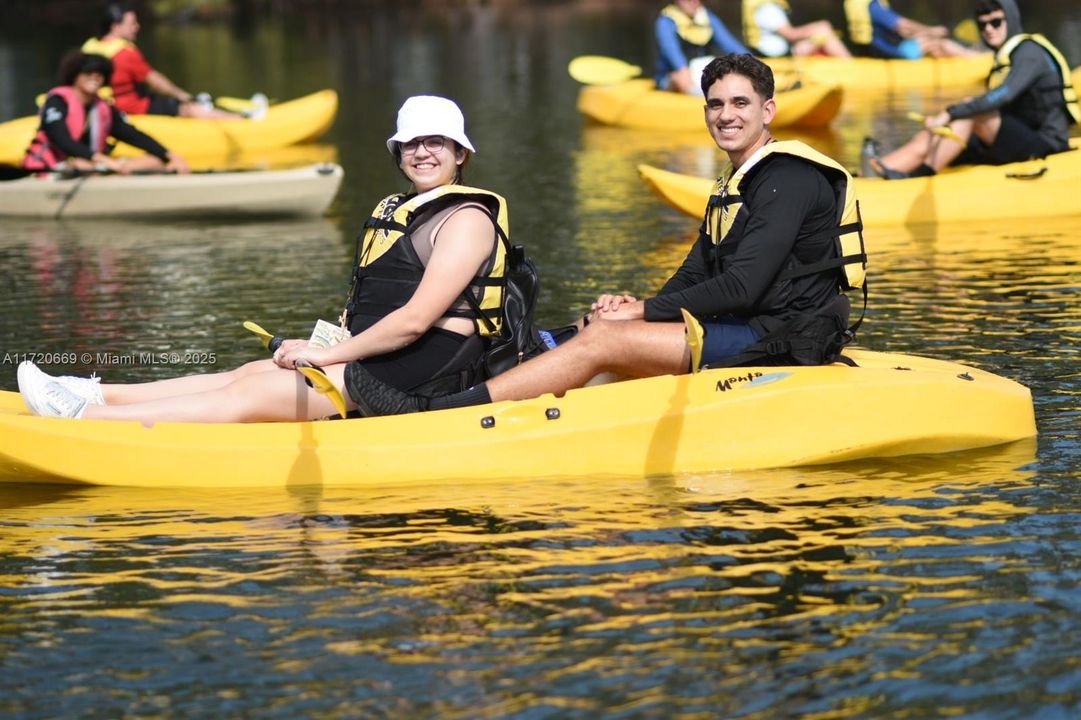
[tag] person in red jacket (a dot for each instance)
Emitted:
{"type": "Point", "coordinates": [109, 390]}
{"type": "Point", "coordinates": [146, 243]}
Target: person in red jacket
{"type": "Point", "coordinates": [138, 88]}
{"type": "Point", "coordinates": [76, 125]}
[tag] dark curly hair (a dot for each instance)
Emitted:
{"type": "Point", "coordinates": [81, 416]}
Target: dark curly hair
{"type": "Point", "coordinates": [750, 67]}
{"type": "Point", "coordinates": [75, 62]}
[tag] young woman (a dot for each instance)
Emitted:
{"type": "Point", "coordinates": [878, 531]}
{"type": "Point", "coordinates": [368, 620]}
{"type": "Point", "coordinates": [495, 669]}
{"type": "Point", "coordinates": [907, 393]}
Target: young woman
{"type": "Point", "coordinates": [411, 323]}
{"type": "Point", "coordinates": [76, 125]}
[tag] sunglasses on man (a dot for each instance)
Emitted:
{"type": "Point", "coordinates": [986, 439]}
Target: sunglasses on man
{"type": "Point", "coordinates": [994, 23]}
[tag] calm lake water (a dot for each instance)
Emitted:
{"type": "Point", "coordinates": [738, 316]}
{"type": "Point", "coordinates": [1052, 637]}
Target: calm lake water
{"type": "Point", "coordinates": [909, 588]}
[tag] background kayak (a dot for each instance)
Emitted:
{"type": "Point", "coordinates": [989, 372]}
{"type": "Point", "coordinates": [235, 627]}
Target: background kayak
{"type": "Point", "coordinates": [295, 121]}
{"type": "Point", "coordinates": [300, 191]}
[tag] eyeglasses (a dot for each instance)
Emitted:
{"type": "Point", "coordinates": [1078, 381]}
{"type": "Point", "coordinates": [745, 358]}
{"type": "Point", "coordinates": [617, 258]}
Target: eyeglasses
{"type": "Point", "coordinates": [432, 144]}
{"type": "Point", "coordinates": [994, 23]}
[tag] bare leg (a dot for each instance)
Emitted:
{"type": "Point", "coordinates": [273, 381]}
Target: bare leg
{"type": "Point", "coordinates": [144, 163]}
{"type": "Point", "coordinates": [943, 150]}
{"type": "Point", "coordinates": [633, 348]}
{"type": "Point", "coordinates": [945, 47]}
{"type": "Point", "coordinates": [195, 110]}
{"type": "Point", "coordinates": [272, 396]}
{"type": "Point", "coordinates": [911, 155]}
{"type": "Point", "coordinates": [117, 394]}
{"type": "Point", "coordinates": [820, 37]}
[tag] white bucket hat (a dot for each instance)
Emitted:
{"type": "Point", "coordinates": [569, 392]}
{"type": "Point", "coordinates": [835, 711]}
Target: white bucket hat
{"type": "Point", "coordinates": [423, 115]}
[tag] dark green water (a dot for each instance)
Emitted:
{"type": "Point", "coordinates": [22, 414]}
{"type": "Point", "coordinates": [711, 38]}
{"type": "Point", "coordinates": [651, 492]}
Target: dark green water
{"type": "Point", "coordinates": [911, 588]}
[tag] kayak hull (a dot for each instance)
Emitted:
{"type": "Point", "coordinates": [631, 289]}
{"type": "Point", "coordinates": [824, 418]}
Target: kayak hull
{"type": "Point", "coordinates": [638, 104]}
{"type": "Point", "coordinates": [716, 420]}
{"type": "Point", "coordinates": [1035, 188]}
{"type": "Point", "coordinates": [878, 74]}
{"type": "Point", "coordinates": [295, 121]}
{"type": "Point", "coordinates": [300, 191]}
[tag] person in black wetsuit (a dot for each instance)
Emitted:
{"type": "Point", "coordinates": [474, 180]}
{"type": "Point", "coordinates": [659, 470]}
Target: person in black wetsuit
{"type": "Point", "coordinates": [1026, 112]}
{"type": "Point", "coordinates": [790, 219]}
{"type": "Point", "coordinates": [76, 126]}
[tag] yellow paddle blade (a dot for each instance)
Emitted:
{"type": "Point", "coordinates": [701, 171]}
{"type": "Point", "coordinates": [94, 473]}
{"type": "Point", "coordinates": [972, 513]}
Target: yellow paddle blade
{"type": "Point", "coordinates": [944, 131]}
{"type": "Point", "coordinates": [967, 32]}
{"type": "Point", "coordinates": [324, 386]}
{"type": "Point", "coordinates": [601, 70]}
{"type": "Point", "coordinates": [695, 336]}
{"type": "Point", "coordinates": [263, 334]}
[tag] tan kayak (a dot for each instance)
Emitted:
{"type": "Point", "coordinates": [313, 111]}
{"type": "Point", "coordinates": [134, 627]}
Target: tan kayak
{"type": "Point", "coordinates": [1035, 188]}
{"type": "Point", "coordinates": [302, 191]}
{"type": "Point", "coordinates": [638, 104]}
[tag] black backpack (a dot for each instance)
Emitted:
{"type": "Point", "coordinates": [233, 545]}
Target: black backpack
{"type": "Point", "coordinates": [519, 338]}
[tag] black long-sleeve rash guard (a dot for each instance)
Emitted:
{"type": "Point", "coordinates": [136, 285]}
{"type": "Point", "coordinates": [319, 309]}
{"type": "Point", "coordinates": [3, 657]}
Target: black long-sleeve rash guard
{"type": "Point", "coordinates": [788, 201]}
{"type": "Point", "coordinates": [55, 113]}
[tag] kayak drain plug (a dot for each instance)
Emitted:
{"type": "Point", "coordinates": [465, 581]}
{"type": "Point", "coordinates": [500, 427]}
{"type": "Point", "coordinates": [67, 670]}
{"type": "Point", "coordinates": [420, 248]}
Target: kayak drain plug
{"type": "Point", "coordinates": [487, 422]}
{"type": "Point", "coordinates": [552, 413]}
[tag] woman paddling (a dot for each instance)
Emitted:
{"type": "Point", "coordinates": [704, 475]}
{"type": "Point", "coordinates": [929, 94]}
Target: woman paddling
{"type": "Point", "coordinates": [76, 125]}
{"type": "Point", "coordinates": [409, 321]}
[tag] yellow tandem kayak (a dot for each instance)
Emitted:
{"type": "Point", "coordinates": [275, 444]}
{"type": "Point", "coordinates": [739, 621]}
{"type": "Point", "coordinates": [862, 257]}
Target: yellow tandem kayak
{"type": "Point", "coordinates": [872, 73]}
{"type": "Point", "coordinates": [722, 419]}
{"type": "Point", "coordinates": [638, 104]}
{"type": "Point", "coordinates": [1035, 188]}
{"type": "Point", "coordinates": [295, 121]}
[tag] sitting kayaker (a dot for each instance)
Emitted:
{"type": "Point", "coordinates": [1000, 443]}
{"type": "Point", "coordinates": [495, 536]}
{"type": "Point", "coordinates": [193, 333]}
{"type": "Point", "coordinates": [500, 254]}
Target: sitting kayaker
{"type": "Point", "coordinates": [689, 34]}
{"type": "Point", "coordinates": [876, 30]}
{"type": "Point", "coordinates": [770, 292]}
{"type": "Point", "coordinates": [76, 126]}
{"type": "Point", "coordinates": [768, 30]}
{"type": "Point", "coordinates": [1026, 112]}
{"type": "Point", "coordinates": [138, 88]}
{"type": "Point", "coordinates": [410, 324]}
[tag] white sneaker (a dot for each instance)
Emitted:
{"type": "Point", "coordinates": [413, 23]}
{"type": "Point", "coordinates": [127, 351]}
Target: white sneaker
{"type": "Point", "coordinates": [88, 389]}
{"type": "Point", "coordinates": [44, 396]}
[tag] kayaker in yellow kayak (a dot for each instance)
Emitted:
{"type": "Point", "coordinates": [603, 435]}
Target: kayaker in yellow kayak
{"type": "Point", "coordinates": [138, 88]}
{"type": "Point", "coordinates": [770, 292]}
{"type": "Point", "coordinates": [689, 34]}
{"type": "Point", "coordinates": [76, 125]}
{"type": "Point", "coordinates": [410, 325]}
{"type": "Point", "coordinates": [876, 30]}
{"type": "Point", "coordinates": [768, 29]}
{"type": "Point", "coordinates": [1026, 112]}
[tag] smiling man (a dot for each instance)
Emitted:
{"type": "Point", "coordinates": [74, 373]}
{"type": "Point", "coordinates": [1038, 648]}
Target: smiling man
{"type": "Point", "coordinates": [763, 280]}
{"type": "Point", "coordinates": [1025, 113]}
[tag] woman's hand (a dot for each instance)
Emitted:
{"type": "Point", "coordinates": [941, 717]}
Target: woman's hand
{"type": "Point", "coordinates": [293, 351]}
{"type": "Point", "coordinates": [938, 120]}
{"type": "Point", "coordinates": [177, 164]}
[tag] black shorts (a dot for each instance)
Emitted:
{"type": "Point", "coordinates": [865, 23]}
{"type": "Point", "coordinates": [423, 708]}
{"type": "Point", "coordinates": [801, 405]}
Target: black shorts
{"type": "Point", "coordinates": [433, 354]}
{"type": "Point", "coordinates": [163, 105]}
{"type": "Point", "coordinates": [1014, 142]}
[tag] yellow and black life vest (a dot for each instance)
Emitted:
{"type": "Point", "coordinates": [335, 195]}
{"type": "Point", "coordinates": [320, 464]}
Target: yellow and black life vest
{"type": "Point", "coordinates": [1001, 69]}
{"type": "Point", "coordinates": [861, 31]}
{"type": "Point", "coordinates": [387, 269]}
{"type": "Point", "coordinates": [725, 206]}
{"type": "Point", "coordinates": [695, 31]}
{"type": "Point", "coordinates": [752, 33]}
{"type": "Point", "coordinates": [108, 48]}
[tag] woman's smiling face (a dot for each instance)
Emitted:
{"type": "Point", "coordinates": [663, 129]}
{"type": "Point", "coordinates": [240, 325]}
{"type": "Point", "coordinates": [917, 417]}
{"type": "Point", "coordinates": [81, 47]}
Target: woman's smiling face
{"type": "Point", "coordinates": [431, 161]}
